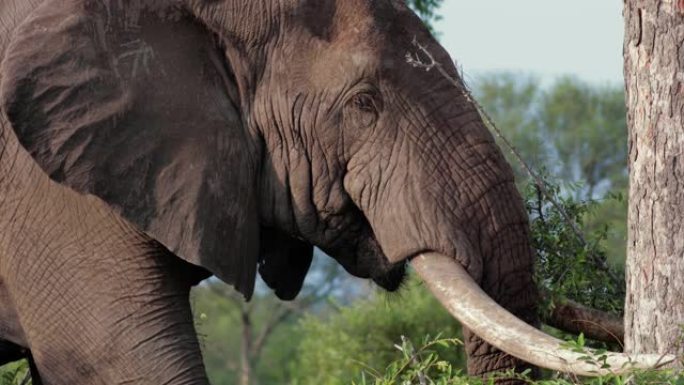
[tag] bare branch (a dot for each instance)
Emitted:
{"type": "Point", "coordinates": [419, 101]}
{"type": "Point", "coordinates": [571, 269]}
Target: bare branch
{"type": "Point", "coordinates": [266, 332]}
{"type": "Point", "coordinates": [575, 318]}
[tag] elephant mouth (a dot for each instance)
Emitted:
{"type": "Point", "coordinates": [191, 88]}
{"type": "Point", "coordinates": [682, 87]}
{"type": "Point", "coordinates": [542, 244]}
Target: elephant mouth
{"type": "Point", "coordinates": [372, 263]}
{"type": "Point", "coordinates": [467, 302]}
{"type": "Point", "coordinates": [392, 278]}
{"type": "Point", "coordinates": [360, 254]}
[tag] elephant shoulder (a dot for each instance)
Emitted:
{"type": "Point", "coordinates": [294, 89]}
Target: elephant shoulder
{"type": "Point", "coordinates": [142, 118]}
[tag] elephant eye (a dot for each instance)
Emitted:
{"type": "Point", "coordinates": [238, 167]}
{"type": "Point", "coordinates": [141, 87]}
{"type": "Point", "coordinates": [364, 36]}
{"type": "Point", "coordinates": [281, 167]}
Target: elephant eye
{"type": "Point", "coordinates": [364, 102]}
{"type": "Point", "coordinates": [363, 109]}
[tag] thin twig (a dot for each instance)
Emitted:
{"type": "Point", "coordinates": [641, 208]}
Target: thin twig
{"type": "Point", "coordinates": [415, 358]}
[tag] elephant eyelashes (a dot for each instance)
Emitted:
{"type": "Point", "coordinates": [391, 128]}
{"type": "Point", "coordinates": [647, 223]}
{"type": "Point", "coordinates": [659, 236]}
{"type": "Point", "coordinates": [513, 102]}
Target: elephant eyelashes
{"type": "Point", "coordinates": [364, 109]}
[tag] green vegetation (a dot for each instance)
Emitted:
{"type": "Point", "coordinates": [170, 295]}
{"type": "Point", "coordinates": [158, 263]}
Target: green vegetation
{"type": "Point", "coordinates": [573, 264]}
{"type": "Point", "coordinates": [576, 132]}
{"type": "Point", "coordinates": [219, 322]}
{"type": "Point", "coordinates": [15, 374]}
{"type": "Point", "coordinates": [336, 348]}
{"type": "Point", "coordinates": [425, 365]}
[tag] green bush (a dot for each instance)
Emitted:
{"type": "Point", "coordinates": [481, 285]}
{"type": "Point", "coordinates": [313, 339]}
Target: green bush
{"type": "Point", "coordinates": [336, 350]}
{"type": "Point", "coordinates": [426, 365]}
{"type": "Point", "coordinates": [14, 373]}
{"type": "Point", "coordinates": [572, 261]}
{"type": "Point", "coordinates": [218, 316]}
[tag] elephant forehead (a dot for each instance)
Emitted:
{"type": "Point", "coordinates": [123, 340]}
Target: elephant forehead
{"type": "Point", "coordinates": [338, 20]}
{"type": "Point", "coordinates": [354, 49]}
{"type": "Point", "coordinates": [342, 65]}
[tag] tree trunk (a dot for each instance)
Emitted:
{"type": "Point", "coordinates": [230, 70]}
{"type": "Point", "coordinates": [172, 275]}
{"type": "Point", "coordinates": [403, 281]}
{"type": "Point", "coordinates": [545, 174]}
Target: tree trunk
{"type": "Point", "coordinates": [246, 347]}
{"type": "Point", "coordinates": [654, 73]}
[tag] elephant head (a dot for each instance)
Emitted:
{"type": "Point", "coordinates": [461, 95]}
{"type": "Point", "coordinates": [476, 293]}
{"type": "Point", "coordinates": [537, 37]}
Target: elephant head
{"type": "Point", "coordinates": [241, 134]}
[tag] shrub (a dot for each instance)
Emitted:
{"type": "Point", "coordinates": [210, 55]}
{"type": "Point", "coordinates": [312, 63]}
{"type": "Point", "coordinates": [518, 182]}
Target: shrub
{"type": "Point", "coordinates": [336, 350]}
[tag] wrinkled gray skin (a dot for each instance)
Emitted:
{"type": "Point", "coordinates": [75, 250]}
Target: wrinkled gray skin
{"type": "Point", "coordinates": [236, 135]}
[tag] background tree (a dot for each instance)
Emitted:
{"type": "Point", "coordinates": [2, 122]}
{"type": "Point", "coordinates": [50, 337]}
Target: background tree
{"type": "Point", "coordinates": [654, 73]}
{"type": "Point", "coordinates": [254, 342]}
{"type": "Point", "coordinates": [575, 130]}
{"type": "Point", "coordinates": [572, 130]}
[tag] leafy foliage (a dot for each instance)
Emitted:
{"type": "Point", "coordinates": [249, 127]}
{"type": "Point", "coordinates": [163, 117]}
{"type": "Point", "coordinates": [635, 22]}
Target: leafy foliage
{"type": "Point", "coordinates": [415, 365]}
{"type": "Point", "coordinates": [219, 317]}
{"type": "Point", "coordinates": [574, 131]}
{"type": "Point", "coordinates": [572, 265]}
{"type": "Point", "coordinates": [14, 373]}
{"type": "Point", "coordinates": [266, 328]}
{"type": "Point", "coordinates": [335, 349]}
{"type": "Point", "coordinates": [578, 226]}
{"type": "Point", "coordinates": [426, 365]}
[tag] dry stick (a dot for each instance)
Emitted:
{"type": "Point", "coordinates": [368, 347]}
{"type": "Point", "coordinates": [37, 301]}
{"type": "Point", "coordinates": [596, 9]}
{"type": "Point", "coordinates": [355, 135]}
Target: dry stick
{"type": "Point", "coordinates": [416, 61]}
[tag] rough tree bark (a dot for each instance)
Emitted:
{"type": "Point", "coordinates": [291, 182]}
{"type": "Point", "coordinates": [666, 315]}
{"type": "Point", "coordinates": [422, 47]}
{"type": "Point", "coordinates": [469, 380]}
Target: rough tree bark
{"type": "Point", "coordinates": [654, 74]}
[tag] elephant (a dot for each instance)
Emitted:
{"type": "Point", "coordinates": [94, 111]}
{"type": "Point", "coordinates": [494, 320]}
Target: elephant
{"type": "Point", "coordinates": [148, 144]}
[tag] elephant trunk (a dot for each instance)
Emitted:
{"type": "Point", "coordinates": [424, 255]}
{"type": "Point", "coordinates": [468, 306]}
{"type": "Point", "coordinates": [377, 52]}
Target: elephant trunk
{"type": "Point", "coordinates": [502, 243]}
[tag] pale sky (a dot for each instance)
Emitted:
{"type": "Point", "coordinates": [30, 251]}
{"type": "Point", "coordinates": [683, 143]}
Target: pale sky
{"type": "Point", "coordinates": [543, 37]}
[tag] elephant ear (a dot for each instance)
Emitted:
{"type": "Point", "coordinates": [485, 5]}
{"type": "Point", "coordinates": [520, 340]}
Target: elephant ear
{"type": "Point", "coordinates": [284, 262]}
{"type": "Point", "coordinates": [139, 107]}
